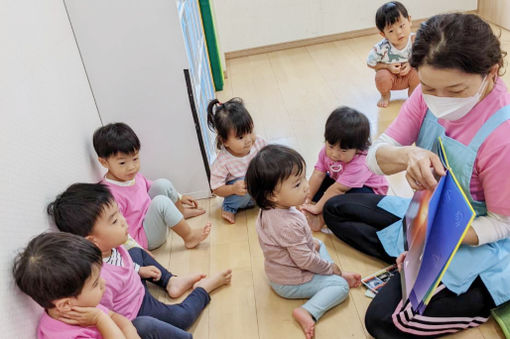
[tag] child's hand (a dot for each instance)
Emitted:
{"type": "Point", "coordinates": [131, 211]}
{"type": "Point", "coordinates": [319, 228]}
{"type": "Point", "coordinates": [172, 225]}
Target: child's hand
{"type": "Point", "coordinates": [400, 260]}
{"type": "Point", "coordinates": [239, 188]}
{"type": "Point", "coordinates": [187, 200]}
{"type": "Point", "coordinates": [353, 279]}
{"type": "Point", "coordinates": [148, 272]}
{"type": "Point", "coordinates": [337, 270]}
{"type": "Point", "coordinates": [317, 244]}
{"type": "Point", "coordinates": [405, 69]}
{"type": "Point", "coordinates": [82, 316]}
{"type": "Point", "coordinates": [311, 209]}
{"type": "Point", "coordinates": [394, 68]}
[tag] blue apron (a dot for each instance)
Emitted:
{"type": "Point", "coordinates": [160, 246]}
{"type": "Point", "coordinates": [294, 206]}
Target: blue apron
{"type": "Point", "coordinates": [489, 261]}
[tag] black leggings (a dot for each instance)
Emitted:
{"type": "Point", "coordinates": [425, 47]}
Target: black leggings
{"type": "Point", "coordinates": [355, 219]}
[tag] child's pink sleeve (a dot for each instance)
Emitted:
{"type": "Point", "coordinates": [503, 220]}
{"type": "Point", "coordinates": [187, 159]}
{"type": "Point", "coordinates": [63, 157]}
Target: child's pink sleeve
{"type": "Point", "coordinates": [406, 126]}
{"type": "Point", "coordinates": [219, 172]}
{"type": "Point", "coordinates": [320, 165]}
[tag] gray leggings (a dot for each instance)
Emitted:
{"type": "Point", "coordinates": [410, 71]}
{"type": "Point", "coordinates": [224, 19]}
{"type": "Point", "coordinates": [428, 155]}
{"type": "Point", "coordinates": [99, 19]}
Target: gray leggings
{"type": "Point", "coordinates": [162, 212]}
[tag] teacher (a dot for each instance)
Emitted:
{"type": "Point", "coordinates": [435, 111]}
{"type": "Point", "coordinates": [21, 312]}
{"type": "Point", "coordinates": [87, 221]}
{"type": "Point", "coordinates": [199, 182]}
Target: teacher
{"type": "Point", "coordinates": [462, 100]}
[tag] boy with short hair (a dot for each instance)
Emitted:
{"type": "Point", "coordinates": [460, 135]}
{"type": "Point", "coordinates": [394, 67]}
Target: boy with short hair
{"type": "Point", "coordinates": [61, 272]}
{"type": "Point", "coordinates": [389, 57]}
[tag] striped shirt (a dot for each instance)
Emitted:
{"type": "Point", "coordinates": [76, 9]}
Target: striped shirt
{"type": "Point", "coordinates": [115, 259]}
{"type": "Point", "coordinates": [228, 167]}
{"type": "Point", "coordinates": [289, 251]}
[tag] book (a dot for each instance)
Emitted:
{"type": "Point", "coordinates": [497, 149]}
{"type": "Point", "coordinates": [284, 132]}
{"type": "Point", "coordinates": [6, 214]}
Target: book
{"type": "Point", "coordinates": [434, 226]}
{"type": "Point", "coordinates": [377, 280]}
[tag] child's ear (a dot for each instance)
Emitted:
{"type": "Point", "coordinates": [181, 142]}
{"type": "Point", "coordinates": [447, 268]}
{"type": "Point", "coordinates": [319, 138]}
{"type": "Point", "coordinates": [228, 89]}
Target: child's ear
{"type": "Point", "coordinates": [63, 304]}
{"type": "Point", "coordinates": [382, 34]}
{"type": "Point", "coordinates": [92, 239]}
{"type": "Point", "coordinates": [103, 162]}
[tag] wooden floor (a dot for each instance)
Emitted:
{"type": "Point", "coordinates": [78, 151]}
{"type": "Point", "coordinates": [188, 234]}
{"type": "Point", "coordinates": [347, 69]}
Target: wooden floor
{"type": "Point", "coordinates": [289, 94]}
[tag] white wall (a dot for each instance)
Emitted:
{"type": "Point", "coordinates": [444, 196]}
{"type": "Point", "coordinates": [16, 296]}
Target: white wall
{"type": "Point", "coordinates": [243, 24]}
{"type": "Point", "coordinates": [47, 117]}
{"type": "Point", "coordinates": [134, 55]}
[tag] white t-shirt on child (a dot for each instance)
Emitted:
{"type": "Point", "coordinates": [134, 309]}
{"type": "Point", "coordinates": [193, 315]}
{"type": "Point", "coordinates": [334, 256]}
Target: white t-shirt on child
{"type": "Point", "coordinates": [384, 52]}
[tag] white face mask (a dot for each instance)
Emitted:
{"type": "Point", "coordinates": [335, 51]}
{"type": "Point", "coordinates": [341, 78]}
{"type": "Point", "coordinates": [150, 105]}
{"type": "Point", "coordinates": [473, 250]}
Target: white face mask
{"type": "Point", "coordinates": [452, 109]}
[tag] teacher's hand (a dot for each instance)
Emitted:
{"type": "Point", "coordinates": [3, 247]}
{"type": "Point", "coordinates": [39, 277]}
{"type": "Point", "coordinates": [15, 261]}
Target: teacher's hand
{"type": "Point", "coordinates": [421, 166]}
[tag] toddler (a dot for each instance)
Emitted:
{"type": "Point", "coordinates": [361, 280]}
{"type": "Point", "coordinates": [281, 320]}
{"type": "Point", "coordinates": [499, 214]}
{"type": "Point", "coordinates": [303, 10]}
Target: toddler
{"type": "Point", "coordinates": [297, 265]}
{"type": "Point", "coordinates": [389, 57]}
{"type": "Point", "coordinates": [61, 272]}
{"type": "Point", "coordinates": [238, 144]}
{"type": "Point", "coordinates": [341, 166]}
{"type": "Point", "coordinates": [149, 207]}
{"type": "Point", "coordinates": [89, 210]}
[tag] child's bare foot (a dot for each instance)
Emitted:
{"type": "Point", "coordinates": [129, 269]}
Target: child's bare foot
{"type": "Point", "coordinates": [315, 221]}
{"type": "Point", "coordinates": [197, 235]}
{"type": "Point", "coordinates": [228, 216]}
{"type": "Point", "coordinates": [178, 285]}
{"type": "Point", "coordinates": [212, 283]}
{"type": "Point", "coordinates": [353, 279]}
{"type": "Point", "coordinates": [384, 101]}
{"type": "Point", "coordinates": [305, 320]}
{"type": "Point", "coordinates": [190, 212]}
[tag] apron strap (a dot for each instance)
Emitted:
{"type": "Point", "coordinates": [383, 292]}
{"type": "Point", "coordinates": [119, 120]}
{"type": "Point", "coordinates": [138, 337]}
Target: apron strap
{"type": "Point", "coordinates": [489, 126]}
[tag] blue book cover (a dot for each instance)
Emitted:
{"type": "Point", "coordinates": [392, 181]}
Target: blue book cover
{"type": "Point", "coordinates": [435, 224]}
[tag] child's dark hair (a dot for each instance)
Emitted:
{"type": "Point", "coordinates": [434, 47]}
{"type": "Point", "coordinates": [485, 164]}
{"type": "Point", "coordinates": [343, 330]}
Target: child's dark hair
{"type": "Point", "coordinates": [389, 13]}
{"type": "Point", "coordinates": [228, 116]}
{"type": "Point", "coordinates": [115, 138]}
{"type": "Point", "coordinates": [459, 41]}
{"type": "Point", "coordinates": [77, 209]}
{"type": "Point", "coordinates": [55, 265]}
{"type": "Point", "coordinates": [349, 128]}
{"type": "Point", "coordinates": [272, 165]}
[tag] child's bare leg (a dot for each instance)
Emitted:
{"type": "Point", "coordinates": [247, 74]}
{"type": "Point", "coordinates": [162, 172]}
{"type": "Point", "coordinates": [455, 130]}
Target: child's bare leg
{"type": "Point", "coordinates": [228, 216]}
{"type": "Point", "coordinates": [191, 236]}
{"type": "Point", "coordinates": [217, 280]}
{"type": "Point", "coordinates": [178, 285]}
{"type": "Point", "coordinates": [384, 80]}
{"type": "Point", "coordinates": [189, 211]}
{"type": "Point", "coordinates": [305, 320]}
{"type": "Point", "coordinates": [315, 221]}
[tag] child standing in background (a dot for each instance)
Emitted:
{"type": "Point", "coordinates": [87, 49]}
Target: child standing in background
{"type": "Point", "coordinates": [297, 265]}
{"type": "Point", "coordinates": [61, 272]}
{"type": "Point", "coordinates": [150, 208]}
{"type": "Point", "coordinates": [341, 167]}
{"type": "Point", "coordinates": [389, 57]}
{"type": "Point", "coordinates": [238, 144]}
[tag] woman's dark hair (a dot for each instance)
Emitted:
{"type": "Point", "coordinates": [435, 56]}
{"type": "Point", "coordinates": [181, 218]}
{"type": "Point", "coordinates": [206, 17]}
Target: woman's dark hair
{"type": "Point", "coordinates": [389, 13]}
{"type": "Point", "coordinates": [77, 209]}
{"type": "Point", "coordinates": [55, 265]}
{"type": "Point", "coordinates": [272, 165]}
{"type": "Point", "coordinates": [348, 128]}
{"type": "Point", "coordinates": [115, 138]}
{"type": "Point", "coordinates": [229, 116]}
{"type": "Point", "coordinates": [459, 41]}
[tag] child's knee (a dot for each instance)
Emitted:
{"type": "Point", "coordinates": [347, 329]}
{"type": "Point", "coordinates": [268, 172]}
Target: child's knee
{"type": "Point", "coordinates": [164, 186]}
{"type": "Point", "coordinates": [384, 80]}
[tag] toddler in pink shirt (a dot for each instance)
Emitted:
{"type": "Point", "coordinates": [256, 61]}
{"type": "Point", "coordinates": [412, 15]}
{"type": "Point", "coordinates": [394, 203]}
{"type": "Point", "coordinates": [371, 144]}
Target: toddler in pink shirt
{"type": "Point", "coordinates": [150, 208]}
{"type": "Point", "coordinates": [297, 265]}
{"type": "Point", "coordinates": [90, 210]}
{"type": "Point", "coordinates": [237, 144]}
{"type": "Point", "coordinates": [341, 167]}
{"type": "Point", "coordinates": [61, 272]}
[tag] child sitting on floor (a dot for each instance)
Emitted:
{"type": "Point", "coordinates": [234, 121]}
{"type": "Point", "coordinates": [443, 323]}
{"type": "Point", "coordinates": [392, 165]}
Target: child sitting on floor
{"type": "Point", "coordinates": [90, 210]}
{"type": "Point", "coordinates": [297, 265]}
{"type": "Point", "coordinates": [149, 207]}
{"type": "Point", "coordinates": [341, 166]}
{"type": "Point", "coordinates": [238, 144]}
{"type": "Point", "coordinates": [389, 57]}
{"type": "Point", "coordinates": [61, 272]}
